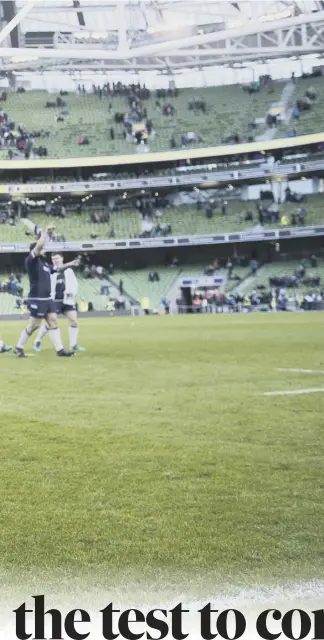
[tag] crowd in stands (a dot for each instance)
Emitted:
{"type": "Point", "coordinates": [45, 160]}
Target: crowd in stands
{"type": "Point", "coordinates": [265, 211]}
{"type": "Point", "coordinates": [8, 213]}
{"type": "Point", "coordinates": [300, 290]}
{"type": "Point", "coordinates": [271, 215]}
{"type": "Point", "coordinates": [12, 285]}
{"type": "Point", "coordinates": [212, 206]}
{"type": "Point", "coordinates": [90, 269]}
{"type": "Point", "coordinates": [114, 89]}
{"type": "Point", "coordinates": [308, 101]}
{"type": "Point", "coordinates": [115, 298]}
{"type": "Point", "coordinates": [305, 103]}
{"type": "Point", "coordinates": [256, 86]}
{"type": "Point", "coordinates": [213, 302]}
{"type": "Point", "coordinates": [17, 140]}
{"type": "Point", "coordinates": [151, 218]}
{"type": "Point", "coordinates": [136, 94]}
{"type": "Point", "coordinates": [137, 127]}
{"type": "Point", "coordinates": [134, 117]}
{"type": "Point", "coordinates": [132, 113]}
{"type": "Point", "coordinates": [156, 215]}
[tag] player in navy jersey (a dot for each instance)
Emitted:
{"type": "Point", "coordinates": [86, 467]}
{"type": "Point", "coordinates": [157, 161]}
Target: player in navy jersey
{"type": "Point", "coordinates": [64, 292]}
{"type": "Point", "coordinates": [40, 303]}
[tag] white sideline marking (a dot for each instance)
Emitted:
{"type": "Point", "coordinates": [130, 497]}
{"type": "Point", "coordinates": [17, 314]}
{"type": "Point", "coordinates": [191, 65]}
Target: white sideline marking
{"type": "Point", "coordinates": [294, 392]}
{"type": "Point", "coordinates": [301, 370]}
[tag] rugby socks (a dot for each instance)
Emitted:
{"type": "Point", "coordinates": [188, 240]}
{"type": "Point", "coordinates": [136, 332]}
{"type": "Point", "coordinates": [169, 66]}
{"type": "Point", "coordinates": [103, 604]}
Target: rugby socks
{"type": "Point", "coordinates": [55, 336]}
{"type": "Point", "coordinates": [1, 344]}
{"type": "Point", "coordinates": [73, 336]}
{"type": "Point", "coordinates": [42, 333]}
{"type": "Point", "coordinates": [24, 337]}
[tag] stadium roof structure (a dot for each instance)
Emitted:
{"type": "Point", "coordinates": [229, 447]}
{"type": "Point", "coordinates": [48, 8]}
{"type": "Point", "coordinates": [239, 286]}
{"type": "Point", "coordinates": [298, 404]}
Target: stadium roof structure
{"type": "Point", "coordinates": [162, 35]}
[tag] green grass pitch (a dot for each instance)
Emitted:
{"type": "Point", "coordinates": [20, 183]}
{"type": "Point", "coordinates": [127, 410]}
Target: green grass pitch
{"type": "Point", "coordinates": [156, 451]}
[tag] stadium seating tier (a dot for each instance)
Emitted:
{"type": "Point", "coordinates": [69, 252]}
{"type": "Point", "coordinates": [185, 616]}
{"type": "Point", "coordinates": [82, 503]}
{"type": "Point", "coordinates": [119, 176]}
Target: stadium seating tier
{"type": "Point", "coordinates": [184, 220]}
{"type": "Point", "coordinates": [229, 110]}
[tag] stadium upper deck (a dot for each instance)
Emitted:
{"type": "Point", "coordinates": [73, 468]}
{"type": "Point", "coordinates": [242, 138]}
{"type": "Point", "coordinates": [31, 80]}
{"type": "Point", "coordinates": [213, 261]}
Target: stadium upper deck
{"type": "Point", "coordinates": [92, 129]}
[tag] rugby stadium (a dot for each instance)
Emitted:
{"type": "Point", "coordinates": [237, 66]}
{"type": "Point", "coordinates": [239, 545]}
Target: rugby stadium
{"type": "Point", "coordinates": [175, 150]}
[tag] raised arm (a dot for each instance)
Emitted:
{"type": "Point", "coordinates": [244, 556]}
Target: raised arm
{"type": "Point", "coordinates": [69, 265]}
{"type": "Point", "coordinates": [43, 239]}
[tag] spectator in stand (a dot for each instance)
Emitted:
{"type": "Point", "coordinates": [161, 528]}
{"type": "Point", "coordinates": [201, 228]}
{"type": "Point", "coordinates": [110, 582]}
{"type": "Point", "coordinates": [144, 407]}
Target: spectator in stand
{"type": "Point", "coordinates": [301, 216]}
{"type": "Point", "coordinates": [86, 272]}
{"type": "Point", "coordinates": [192, 136]}
{"type": "Point", "coordinates": [229, 267]}
{"type": "Point", "coordinates": [166, 305]}
{"type": "Point", "coordinates": [93, 271]}
{"type": "Point", "coordinates": [196, 303]}
{"type": "Point", "coordinates": [204, 305]}
{"type": "Point", "coordinates": [168, 109]}
{"type": "Point", "coordinates": [254, 266]}
{"type": "Point", "coordinates": [224, 208]}
{"type": "Point", "coordinates": [100, 273]}
{"type": "Point", "coordinates": [145, 305]}
{"type": "Point", "coordinates": [296, 113]}
{"type": "Point", "coordinates": [260, 211]}
{"type": "Point", "coordinates": [274, 212]}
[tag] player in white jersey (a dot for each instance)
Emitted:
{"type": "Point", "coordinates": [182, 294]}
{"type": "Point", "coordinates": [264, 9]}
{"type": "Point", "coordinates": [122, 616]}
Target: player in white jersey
{"type": "Point", "coordinates": [64, 292]}
{"type": "Point", "coordinates": [4, 348]}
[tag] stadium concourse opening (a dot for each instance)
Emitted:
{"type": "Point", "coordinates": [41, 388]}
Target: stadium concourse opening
{"type": "Point", "coordinates": [187, 298]}
{"type": "Point", "coordinates": [161, 221]}
{"type": "Point", "coordinates": [198, 291]}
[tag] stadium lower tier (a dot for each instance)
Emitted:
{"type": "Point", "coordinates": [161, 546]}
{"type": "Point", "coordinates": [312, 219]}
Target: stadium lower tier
{"type": "Point", "coordinates": [174, 221]}
{"type": "Point", "coordinates": [292, 281]}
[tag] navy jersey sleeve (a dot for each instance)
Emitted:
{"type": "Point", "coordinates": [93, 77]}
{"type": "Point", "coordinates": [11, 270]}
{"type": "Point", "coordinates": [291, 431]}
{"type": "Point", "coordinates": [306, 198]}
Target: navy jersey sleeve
{"type": "Point", "coordinates": [30, 258]}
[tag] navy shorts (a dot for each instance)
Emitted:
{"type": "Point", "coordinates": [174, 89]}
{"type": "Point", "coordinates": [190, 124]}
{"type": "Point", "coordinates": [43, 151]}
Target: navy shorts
{"type": "Point", "coordinates": [62, 309]}
{"type": "Point", "coordinates": [41, 308]}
